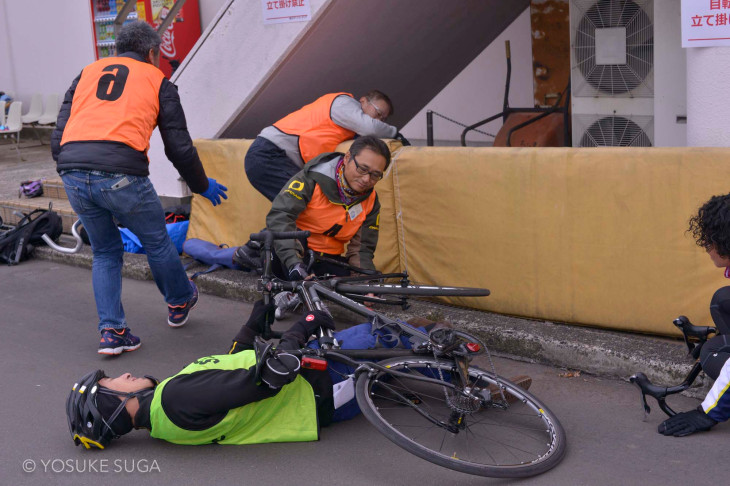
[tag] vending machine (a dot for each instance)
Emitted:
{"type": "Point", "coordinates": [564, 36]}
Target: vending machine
{"type": "Point", "coordinates": [177, 40]}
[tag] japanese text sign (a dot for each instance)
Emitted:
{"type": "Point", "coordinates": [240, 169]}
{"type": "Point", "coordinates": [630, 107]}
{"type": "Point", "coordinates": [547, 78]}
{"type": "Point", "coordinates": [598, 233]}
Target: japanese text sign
{"type": "Point", "coordinates": [705, 23]}
{"type": "Point", "coordinates": [279, 11]}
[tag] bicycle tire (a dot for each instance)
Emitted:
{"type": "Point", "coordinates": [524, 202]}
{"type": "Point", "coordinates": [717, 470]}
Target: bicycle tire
{"type": "Point", "coordinates": [521, 439]}
{"type": "Point", "coordinates": [415, 290]}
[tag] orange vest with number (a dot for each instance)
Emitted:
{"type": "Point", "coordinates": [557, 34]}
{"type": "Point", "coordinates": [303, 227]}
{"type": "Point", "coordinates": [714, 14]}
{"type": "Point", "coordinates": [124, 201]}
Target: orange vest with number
{"type": "Point", "coordinates": [314, 126]}
{"type": "Point", "coordinates": [116, 99]}
{"type": "Point", "coordinates": [330, 224]}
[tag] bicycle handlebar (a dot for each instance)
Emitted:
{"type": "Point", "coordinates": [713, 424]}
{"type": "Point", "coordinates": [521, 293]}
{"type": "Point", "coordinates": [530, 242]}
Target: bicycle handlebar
{"type": "Point", "coordinates": [278, 235]}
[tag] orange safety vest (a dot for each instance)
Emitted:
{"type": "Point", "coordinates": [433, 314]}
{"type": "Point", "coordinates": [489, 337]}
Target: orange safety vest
{"type": "Point", "coordinates": [116, 99]}
{"type": "Point", "coordinates": [329, 223]}
{"type": "Point", "coordinates": [314, 126]}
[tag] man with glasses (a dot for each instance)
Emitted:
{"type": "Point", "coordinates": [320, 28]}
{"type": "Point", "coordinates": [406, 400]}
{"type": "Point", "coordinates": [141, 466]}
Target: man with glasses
{"type": "Point", "coordinates": [334, 199]}
{"type": "Point", "coordinates": [282, 149]}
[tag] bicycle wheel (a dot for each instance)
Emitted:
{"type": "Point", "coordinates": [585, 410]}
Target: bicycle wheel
{"type": "Point", "coordinates": [421, 290]}
{"type": "Point", "coordinates": [485, 436]}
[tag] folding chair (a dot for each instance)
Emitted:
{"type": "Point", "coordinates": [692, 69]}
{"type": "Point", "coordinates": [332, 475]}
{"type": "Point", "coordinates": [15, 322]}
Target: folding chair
{"type": "Point", "coordinates": [14, 124]}
{"type": "Point", "coordinates": [50, 114]}
{"type": "Point", "coordinates": [34, 113]}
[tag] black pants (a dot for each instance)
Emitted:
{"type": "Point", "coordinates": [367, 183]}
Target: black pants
{"type": "Point", "coordinates": [716, 351]}
{"type": "Point", "coordinates": [268, 168]}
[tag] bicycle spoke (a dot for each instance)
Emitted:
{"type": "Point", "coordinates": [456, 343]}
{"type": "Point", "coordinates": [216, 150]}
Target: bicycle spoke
{"type": "Point", "coordinates": [466, 432]}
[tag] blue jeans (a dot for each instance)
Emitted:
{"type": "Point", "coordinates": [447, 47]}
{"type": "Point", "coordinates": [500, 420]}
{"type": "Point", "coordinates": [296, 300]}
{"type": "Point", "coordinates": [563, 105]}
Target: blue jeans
{"type": "Point", "coordinates": [96, 198]}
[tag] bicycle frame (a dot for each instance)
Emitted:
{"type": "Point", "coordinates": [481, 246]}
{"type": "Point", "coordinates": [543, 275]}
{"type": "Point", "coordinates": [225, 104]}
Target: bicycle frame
{"type": "Point", "coordinates": [312, 292]}
{"type": "Point", "coordinates": [433, 380]}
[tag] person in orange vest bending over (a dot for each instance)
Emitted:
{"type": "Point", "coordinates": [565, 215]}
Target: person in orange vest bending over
{"type": "Point", "coordinates": [282, 149]}
{"type": "Point", "coordinates": [334, 199]}
{"type": "Point", "coordinates": [100, 147]}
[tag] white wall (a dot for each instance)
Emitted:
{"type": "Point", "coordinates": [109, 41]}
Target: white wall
{"type": "Point", "coordinates": [44, 44]}
{"type": "Point", "coordinates": [670, 83]}
{"type": "Point", "coordinates": [708, 97]}
{"type": "Point", "coordinates": [241, 24]}
{"type": "Point", "coordinates": [478, 91]}
{"type": "Point", "coordinates": [208, 11]}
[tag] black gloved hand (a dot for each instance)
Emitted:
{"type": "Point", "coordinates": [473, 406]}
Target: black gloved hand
{"type": "Point", "coordinates": [310, 322]}
{"type": "Point", "coordinates": [298, 272]}
{"type": "Point", "coordinates": [279, 370]}
{"type": "Point", "coordinates": [399, 136]}
{"type": "Point", "coordinates": [687, 423]}
{"type": "Point", "coordinates": [261, 314]}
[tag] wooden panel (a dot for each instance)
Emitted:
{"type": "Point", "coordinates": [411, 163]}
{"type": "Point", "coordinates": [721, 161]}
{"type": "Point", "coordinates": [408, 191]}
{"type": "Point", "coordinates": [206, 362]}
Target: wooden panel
{"type": "Point", "coordinates": [550, 48]}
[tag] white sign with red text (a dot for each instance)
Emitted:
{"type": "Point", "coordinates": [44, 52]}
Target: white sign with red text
{"type": "Point", "coordinates": [280, 11]}
{"type": "Point", "coordinates": [705, 23]}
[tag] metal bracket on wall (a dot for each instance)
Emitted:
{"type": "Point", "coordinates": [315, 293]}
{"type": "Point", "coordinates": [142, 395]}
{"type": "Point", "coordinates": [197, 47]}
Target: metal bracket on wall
{"type": "Point", "coordinates": [170, 16]}
{"type": "Point", "coordinates": [122, 15]}
{"type": "Point", "coordinates": [129, 4]}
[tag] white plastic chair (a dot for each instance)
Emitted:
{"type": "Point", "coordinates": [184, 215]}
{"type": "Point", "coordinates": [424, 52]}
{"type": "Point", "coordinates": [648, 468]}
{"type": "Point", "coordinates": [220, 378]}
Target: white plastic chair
{"type": "Point", "coordinates": [50, 114]}
{"type": "Point", "coordinates": [35, 111]}
{"type": "Point", "coordinates": [14, 124]}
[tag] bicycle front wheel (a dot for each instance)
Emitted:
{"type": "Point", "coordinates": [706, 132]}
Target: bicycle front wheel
{"type": "Point", "coordinates": [507, 434]}
{"type": "Point", "coordinates": [416, 290]}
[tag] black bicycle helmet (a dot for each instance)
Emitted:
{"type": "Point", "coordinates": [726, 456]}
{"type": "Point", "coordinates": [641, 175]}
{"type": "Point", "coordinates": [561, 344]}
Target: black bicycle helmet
{"type": "Point", "coordinates": [95, 414]}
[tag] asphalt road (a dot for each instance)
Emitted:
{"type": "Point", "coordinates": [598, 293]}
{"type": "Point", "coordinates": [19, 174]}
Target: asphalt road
{"type": "Point", "coordinates": [48, 339]}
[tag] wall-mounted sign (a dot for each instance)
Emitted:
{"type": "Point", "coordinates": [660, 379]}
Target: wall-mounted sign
{"type": "Point", "coordinates": [280, 11]}
{"type": "Point", "coordinates": [705, 23]}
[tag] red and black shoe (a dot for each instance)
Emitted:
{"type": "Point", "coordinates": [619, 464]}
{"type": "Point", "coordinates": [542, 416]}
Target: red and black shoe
{"type": "Point", "coordinates": [115, 341]}
{"type": "Point", "coordinates": [177, 315]}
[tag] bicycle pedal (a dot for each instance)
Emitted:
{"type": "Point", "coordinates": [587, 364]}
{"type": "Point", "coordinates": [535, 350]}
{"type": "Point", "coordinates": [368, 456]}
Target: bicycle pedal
{"type": "Point", "coordinates": [523, 381]}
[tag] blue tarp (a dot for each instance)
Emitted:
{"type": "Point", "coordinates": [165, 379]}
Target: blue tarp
{"type": "Point", "coordinates": [177, 232]}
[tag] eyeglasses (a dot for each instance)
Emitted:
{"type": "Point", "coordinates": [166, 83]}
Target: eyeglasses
{"type": "Point", "coordinates": [374, 176]}
{"type": "Point", "coordinates": [381, 115]}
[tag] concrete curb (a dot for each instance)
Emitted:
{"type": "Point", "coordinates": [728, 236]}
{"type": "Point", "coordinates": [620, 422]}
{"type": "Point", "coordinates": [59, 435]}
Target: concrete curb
{"type": "Point", "coordinates": [595, 351]}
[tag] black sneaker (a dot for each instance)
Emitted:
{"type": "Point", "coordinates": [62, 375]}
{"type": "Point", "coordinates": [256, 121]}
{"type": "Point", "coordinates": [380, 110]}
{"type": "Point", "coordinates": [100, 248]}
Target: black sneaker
{"type": "Point", "coordinates": [247, 258]}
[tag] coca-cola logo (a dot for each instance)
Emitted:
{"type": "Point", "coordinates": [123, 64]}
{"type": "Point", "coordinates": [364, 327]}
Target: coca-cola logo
{"type": "Point", "coordinates": [168, 43]}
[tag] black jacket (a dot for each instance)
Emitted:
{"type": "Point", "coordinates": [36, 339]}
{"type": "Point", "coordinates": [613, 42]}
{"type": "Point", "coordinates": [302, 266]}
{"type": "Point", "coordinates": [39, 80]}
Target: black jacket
{"type": "Point", "coordinates": [117, 157]}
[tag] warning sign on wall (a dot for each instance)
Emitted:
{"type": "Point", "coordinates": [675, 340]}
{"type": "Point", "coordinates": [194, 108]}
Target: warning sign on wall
{"type": "Point", "coordinates": [280, 11]}
{"type": "Point", "coordinates": [705, 23]}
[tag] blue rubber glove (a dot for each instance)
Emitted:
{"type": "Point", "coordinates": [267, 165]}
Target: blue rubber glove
{"type": "Point", "coordinates": [215, 192]}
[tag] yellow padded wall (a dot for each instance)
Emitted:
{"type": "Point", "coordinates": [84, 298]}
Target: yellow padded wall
{"type": "Point", "coordinates": [243, 213]}
{"type": "Point", "coordinates": [591, 236]}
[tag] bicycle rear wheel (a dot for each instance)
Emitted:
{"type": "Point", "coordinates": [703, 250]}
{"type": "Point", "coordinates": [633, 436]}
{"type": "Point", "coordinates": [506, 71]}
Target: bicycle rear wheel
{"type": "Point", "coordinates": [485, 436]}
{"type": "Point", "coordinates": [420, 290]}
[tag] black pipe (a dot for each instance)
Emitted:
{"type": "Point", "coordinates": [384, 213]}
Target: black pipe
{"type": "Point", "coordinates": [429, 128]}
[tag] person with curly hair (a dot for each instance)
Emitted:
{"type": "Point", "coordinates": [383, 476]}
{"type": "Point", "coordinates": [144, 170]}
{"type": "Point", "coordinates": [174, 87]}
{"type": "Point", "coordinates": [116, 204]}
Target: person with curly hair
{"type": "Point", "coordinates": [710, 228]}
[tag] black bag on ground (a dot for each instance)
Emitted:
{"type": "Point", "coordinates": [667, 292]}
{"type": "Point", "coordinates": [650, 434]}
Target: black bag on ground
{"type": "Point", "coordinates": [18, 243]}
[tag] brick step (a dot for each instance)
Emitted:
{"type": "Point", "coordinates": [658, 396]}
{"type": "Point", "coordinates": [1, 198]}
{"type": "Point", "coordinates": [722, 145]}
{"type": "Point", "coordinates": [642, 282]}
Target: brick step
{"type": "Point", "coordinates": [61, 206]}
{"type": "Point", "coordinates": [53, 188]}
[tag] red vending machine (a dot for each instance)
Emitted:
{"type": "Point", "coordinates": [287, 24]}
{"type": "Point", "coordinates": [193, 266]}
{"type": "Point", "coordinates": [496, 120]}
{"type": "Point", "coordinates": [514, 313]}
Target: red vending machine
{"type": "Point", "coordinates": [177, 40]}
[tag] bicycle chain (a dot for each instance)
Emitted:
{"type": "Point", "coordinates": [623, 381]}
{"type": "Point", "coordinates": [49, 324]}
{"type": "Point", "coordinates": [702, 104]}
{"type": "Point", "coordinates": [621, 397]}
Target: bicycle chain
{"type": "Point", "coordinates": [462, 125]}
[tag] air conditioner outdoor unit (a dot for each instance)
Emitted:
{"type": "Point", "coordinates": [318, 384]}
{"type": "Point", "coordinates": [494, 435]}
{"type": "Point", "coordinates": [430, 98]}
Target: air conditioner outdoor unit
{"type": "Point", "coordinates": [612, 72]}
